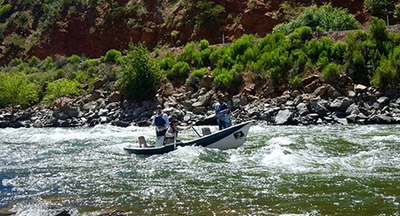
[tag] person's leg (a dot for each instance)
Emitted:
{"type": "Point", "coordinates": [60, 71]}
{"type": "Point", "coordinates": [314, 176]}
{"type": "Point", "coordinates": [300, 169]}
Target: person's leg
{"type": "Point", "coordinates": [220, 125]}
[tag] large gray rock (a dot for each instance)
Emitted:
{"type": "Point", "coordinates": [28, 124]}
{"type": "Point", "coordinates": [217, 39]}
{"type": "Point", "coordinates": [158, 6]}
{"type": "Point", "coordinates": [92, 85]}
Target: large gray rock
{"type": "Point", "coordinates": [90, 106]}
{"type": "Point", "coordinates": [71, 110]}
{"type": "Point", "coordinates": [317, 107]}
{"type": "Point", "coordinates": [203, 100]}
{"type": "Point", "coordinates": [383, 101]}
{"type": "Point", "coordinates": [239, 100]}
{"type": "Point", "coordinates": [199, 110]}
{"type": "Point", "coordinates": [98, 84]}
{"type": "Point", "coordinates": [332, 92]}
{"type": "Point", "coordinates": [103, 112]}
{"type": "Point", "coordinates": [138, 111]}
{"type": "Point", "coordinates": [353, 110]}
{"type": "Point", "coordinates": [302, 109]}
{"type": "Point", "coordinates": [360, 88]}
{"type": "Point", "coordinates": [341, 104]}
{"type": "Point", "coordinates": [284, 117]}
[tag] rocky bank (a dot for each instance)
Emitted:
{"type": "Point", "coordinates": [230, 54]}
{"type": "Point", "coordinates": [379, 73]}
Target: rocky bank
{"type": "Point", "coordinates": [315, 103]}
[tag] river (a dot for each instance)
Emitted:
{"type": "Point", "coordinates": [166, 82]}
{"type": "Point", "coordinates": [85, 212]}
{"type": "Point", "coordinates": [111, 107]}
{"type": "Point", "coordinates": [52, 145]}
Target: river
{"type": "Point", "coordinates": [280, 170]}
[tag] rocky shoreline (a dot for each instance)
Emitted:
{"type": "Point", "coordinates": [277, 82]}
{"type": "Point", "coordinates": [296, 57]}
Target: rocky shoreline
{"type": "Point", "coordinates": [316, 103]}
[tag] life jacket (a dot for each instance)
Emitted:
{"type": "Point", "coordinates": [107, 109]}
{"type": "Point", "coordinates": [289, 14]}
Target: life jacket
{"type": "Point", "coordinates": [223, 106]}
{"type": "Point", "coordinates": [159, 121]}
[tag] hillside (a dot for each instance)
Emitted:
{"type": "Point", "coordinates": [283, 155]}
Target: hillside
{"type": "Point", "coordinates": [92, 27]}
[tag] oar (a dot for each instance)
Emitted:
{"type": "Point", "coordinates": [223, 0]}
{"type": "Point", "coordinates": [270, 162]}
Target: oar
{"type": "Point", "coordinates": [196, 132]}
{"type": "Point", "coordinates": [174, 140]}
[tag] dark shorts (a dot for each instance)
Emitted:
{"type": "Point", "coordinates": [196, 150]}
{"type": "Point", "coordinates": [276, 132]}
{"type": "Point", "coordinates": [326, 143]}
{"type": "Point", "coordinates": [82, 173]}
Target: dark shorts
{"type": "Point", "coordinates": [161, 133]}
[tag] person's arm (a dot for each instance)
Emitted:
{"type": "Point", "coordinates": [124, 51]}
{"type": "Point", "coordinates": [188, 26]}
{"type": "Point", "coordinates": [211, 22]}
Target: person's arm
{"type": "Point", "coordinates": [153, 122]}
{"type": "Point", "coordinates": [218, 111]}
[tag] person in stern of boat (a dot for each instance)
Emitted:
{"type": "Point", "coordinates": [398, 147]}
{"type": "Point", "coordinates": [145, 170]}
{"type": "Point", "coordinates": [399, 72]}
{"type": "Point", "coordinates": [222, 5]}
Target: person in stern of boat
{"type": "Point", "coordinates": [223, 112]}
{"type": "Point", "coordinates": [161, 122]}
{"type": "Point", "coordinates": [173, 131]}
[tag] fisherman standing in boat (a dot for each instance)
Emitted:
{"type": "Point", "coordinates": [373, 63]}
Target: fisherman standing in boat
{"type": "Point", "coordinates": [161, 122]}
{"type": "Point", "coordinates": [223, 112]}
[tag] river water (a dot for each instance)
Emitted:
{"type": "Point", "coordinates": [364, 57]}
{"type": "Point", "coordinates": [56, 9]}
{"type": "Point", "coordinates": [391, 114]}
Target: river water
{"type": "Point", "coordinates": [301, 170]}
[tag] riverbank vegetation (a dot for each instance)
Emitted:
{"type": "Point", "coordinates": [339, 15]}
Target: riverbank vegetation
{"type": "Point", "coordinates": [369, 57]}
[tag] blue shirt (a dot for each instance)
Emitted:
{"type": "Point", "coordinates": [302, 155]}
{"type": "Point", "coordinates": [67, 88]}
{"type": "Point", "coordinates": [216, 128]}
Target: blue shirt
{"type": "Point", "coordinates": [221, 114]}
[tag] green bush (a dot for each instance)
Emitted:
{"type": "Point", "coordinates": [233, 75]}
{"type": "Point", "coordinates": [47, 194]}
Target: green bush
{"type": "Point", "coordinates": [226, 79]}
{"type": "Point", "coordinates": [191, 55]}
{"type": "Point", "coordinates": [377, 29]}
{"type": "Point", "coordinates": [379, 8]}
{"type": "Point", "coordinates": [62, 88]}
{"type": "Point", "coordinates": [140, 74]}
{"type": "Point", "coordinates": [47, 63]}
{"type": "Point", "coordinates": [331, 73]}
{"type": "Point", "coordinates": [33, 61]}
{"type": "Point", "coordinates": [242, 44]}
{"type": "Point", "coordinates": [385, 76]}
{"type": "Point", "coordinates": [74, 59]}
{"type": "Point", "coordinates": [295, 82]}
{"type": "Point", "coordinates": [16, 62]}
{"type": "Point", "coordinates": [326, 17]}
{"type": "Point", "coordinates": [338, 51]}
{"type": "Point", "coordinates": [167, 63]}
{"type": "Point", "coordinates": [5, 12]}
{"type": "Point", "coordinates": [208, 15]}
{"type": "Point", "coordinates": [113, 56]}
{"type": "Point", "coordinates": [17, 89]}
{"type": "Point", "coordinates": [180, 71]}
{"type": "Point", "coordinates": [204, 44]}
{"type": "Point", "coordinates": [199, 73]}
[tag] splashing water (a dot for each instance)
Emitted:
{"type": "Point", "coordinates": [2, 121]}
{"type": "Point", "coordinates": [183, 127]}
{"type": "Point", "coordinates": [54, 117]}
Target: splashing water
{"type": "Point", "coordinates": [302, 170]}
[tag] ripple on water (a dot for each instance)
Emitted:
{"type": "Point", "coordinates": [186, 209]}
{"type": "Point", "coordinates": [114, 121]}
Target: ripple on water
{"type": "Point", "coordinates": [313, 170]}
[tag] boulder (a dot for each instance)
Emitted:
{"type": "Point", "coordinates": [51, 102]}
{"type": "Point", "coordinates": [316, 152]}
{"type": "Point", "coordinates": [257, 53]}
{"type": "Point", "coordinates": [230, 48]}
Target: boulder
{"type": "Point", "coordinates": [312, 86]}
{"type": "Point", "coordinates": [71, 111]}
{"type": "Point", "coordinates": [268, 91]}
{"type": "Point", "coordinates": [239, 100]}
{"type": "Point", "coordinates": [203, 100]}
{"type": "Point", "coordinates": [115, 97]}
{"type": "Point", "coordinates": [309, 79]}
{"type": "Point", "coordinates": [206, 82]}
{"type": "Point", "coordinates": [199, 110]}
{"type": "Point", "coordinates": [98, 84]}
{"type": "Point", "coordinates": [284, 117]}
{"type": "Point", "coordinates": [103, 112]}
{"type": "Point", "coordinates": [97, 94]}
{"type": "Point", "coordinates": [89, 106]}
{"type": "Point", "coordinates": [353, 109]}
{"type": "Point", "coordinates": [383, 101]}
{"type": "Point", "coordinates": [302, 109]}
{"type": "Point", "coordinates": [317, 107]}
{"type": "Point", "coordinates": [360, 88]}
{"type": "Point", "coordinates": [320, 90]}
{"type": "Point", "coordinates": [209, 120]}
{"type": "Point", "coordinates": [120, 123]}
{"type": "Point", "coordinates": [341, 104]}
{"type": "Point", "coordinates": [332, 92]}
{"type": "Point", "coordinates": [351, 94]}
{"type": "Point", "coordinates": [138, 111]}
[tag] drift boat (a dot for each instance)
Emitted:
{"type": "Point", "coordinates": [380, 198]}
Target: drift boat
{"type": "Point", "coordinates": [228, 138]}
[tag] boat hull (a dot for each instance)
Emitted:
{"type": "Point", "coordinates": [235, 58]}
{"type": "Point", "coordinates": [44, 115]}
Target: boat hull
{"type": "Point", "coordinates": [228, 138]}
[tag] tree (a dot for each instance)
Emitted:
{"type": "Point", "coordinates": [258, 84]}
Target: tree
{"type": "Point", "coordinates": [140, 74]}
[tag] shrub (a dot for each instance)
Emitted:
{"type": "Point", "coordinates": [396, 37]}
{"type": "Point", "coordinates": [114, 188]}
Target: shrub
{"type": "Point", "coordinates": [33, 61]}
{"type": "Point", "coordinates": [338, 51]}
{"type": "Point", "coordinates": [208, 15]}
{"type": "Point", "coordinates": [16, 62]}
{"type": "Point", "coordinates": [5, 12]}
{"type": "Point", "coordinates": [326, 17]}
{"type": "Point", "coordinates": [225, 79]}
{"type": "Point", "coordinates": [167, 63]}
{"type": "Point", "coordinates": [47, 63]}
{"type": "Point", "coordinates": [385, 76]}
{"type": "Point", "coordinates": [55, 74]}
{"type": "Point", "coordinates": [199, 73]}
{"type": "Point", "coordinates": [16, 89]}
{"type": "Point", "coordinates": [62, 88]}
{"type": "Point", "coordinates": [90, 63]}
{"type": "Point", "coordinates": [295, 82]}
{"type": "Point", "coordinates": [331, 73]}
{"type": "Point", "coordinates": [180, 71]}
{"type": "Point", "coordinates": [300, 35]}
{"type": "Point", "coordinates": [140, 74]}
{"type": "Point", "coordinates": [377, 29]}
{"type": "Point", "coordinates": [74, 59]}
{"type": "Point", "coordinates": [314, 48]}
{"type": "Point", "coordinates": [240, 45]}
{"type": "Point", "coordinates": [113, 56]}
{"type": "Point", "coordinates": [378, 8]}
{"type": "Point", "coordinates": [191, 55]}
{"type": "Point", "coordinates": [204, 44]}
